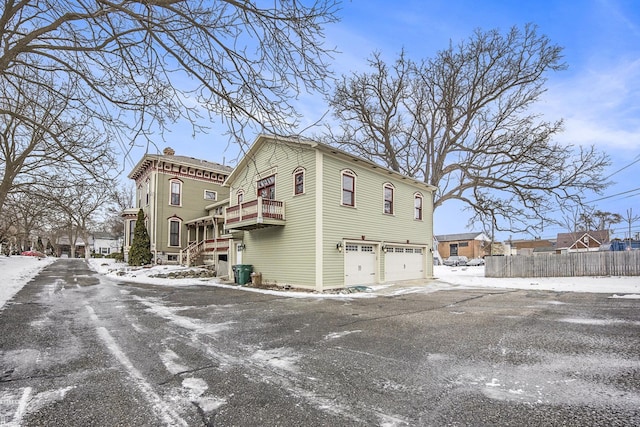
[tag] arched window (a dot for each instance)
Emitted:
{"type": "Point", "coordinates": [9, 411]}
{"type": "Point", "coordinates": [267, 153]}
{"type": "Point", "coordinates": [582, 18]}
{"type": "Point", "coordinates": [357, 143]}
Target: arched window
{"type": "Point", "coordinates": [417, 206]}
{"type": "Point", "coordinates": [388, 190]}
{"type": "Point", "coordinates": [348, 188]}
{"type": "Point", "coordinates": [298, 181]}
{"type": "Point", "coordinates": [240, 195]}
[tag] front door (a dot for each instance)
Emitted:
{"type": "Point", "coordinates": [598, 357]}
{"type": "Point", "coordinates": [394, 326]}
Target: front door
{"type": "Point", "coordinates": [239, 253]}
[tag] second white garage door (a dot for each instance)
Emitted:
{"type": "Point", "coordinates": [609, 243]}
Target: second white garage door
{"type": "Point", "coordinates": [360, 264]}
{"type": "Point", "coordinates": [403, 263]}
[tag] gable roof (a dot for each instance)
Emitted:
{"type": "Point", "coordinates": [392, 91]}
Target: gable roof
{"type": "Point", "coordinates": [327, 149]}
{"type": "Point", "coordinates": [567, 240]}
{"type": "Point", "coordinates": [462, 236]}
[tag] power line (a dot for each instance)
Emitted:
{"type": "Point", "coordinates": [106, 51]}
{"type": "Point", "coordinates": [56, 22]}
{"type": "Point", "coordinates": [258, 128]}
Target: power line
{"type": "Point", "coordinates": [636, 160]}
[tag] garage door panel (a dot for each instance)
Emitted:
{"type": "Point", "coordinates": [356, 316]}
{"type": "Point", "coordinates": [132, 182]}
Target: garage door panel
{"type": "Point", "coordinates": [404, 263]}
{"type": "Point", "coordinates": [360, 264]}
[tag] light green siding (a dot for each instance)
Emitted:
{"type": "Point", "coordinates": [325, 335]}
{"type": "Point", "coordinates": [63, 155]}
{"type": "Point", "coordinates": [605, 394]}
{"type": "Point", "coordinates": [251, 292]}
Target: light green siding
{"type": "Point", "coordinates": [367, 219]}
{"type": "Point", "coordinates": [193, 206]}
{"type": "Point", "coordinates": [283, 254]}
{"type": "Point", "coordinates": [316, 222]}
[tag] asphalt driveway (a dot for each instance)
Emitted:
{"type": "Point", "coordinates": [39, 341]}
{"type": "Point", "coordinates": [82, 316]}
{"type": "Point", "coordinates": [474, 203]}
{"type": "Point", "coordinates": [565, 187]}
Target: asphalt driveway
{"type": "Point", "coordinates": [78, 349]}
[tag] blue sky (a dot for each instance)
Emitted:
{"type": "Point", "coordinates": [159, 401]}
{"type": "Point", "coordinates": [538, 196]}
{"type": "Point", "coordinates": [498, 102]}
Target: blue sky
{"type": "Point", "coordinates": [598, 96]}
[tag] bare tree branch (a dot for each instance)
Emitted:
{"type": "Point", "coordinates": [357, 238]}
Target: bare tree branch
{"type": "Point", "coordinates": [461, 122]}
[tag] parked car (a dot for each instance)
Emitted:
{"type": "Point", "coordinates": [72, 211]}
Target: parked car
{"type": "Point", "coordinates": [475, 262]}
{"type": "Point", "coordinates": [454, 261]}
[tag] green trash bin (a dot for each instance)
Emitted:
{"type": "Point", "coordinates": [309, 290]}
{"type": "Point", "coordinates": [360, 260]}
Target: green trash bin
{"type": "Point", "coordinates": [244, 273]}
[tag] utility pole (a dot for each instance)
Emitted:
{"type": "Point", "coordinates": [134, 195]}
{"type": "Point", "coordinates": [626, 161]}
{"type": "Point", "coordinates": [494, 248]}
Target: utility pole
{"type": "Point", "coordinates": [630, 220]}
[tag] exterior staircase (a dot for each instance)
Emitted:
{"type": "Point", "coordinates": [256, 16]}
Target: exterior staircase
{"type": "Point", "coordinates": [192, 254]}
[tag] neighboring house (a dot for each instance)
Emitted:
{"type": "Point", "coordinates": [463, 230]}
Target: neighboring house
{"type": "Point", "coordinates": [581, 241]}
{"type": "Point", "coordinates": [471, 245]}
{"type": "Point", "coordinates": [106, 243]}
{"type": "Point", "coordinates": [533, 247]}
{"type": "Point", "coordinates": [310, 215]}
{"type": "Point", "coordinates": [178, 195]}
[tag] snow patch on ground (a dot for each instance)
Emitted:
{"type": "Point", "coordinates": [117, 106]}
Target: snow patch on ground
{"type": "Point", "coordinates": [336, 335]}
{"type": "Point", "coordinates": [630, 296]}
{"type": "Point", "coordinates": [281, 358]}
{"type": "Point", "coordinates": [170, 314]}
{"type": "Point", "coordinates": [171, 361]}
{"type": "Point", "coordinates": [17, 271]}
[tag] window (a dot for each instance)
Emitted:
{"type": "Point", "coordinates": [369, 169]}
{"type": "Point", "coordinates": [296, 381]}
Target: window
{"type": "Point", "coordinates": [210, 195]}
{"type": "Point", "coordinates": [148, 191]}
{"type": "Point", "coordinates": [176, 187]}
{"type": "Point", "coordinates": [417, 206]}
{"type": "Point", "coordinates": [388, 199]}
{"type": "Point", "coordinates": [240, 196]}
{"type": "Point", "coordinates": [267, 188]}
{"type": "Point", "coordinates": [348, 188]}
{"type": "Point", "coordinates": [174, 232]}
{"type": "Point", "coordinates": [298, 181]}
{"type": "Point", "coordinates": [132, 227]}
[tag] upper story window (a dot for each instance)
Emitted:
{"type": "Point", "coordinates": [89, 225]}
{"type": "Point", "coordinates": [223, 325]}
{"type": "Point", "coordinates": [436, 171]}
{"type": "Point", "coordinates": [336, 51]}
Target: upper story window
{"type": "Point", "coordinates": [267, 188]}
{"type": "Point", "coordinates": [388, 198]}
{"type": "Point", "coordinates": [417, 206]}
{"type": "Point", "coordinates": [175, 198]}
{"type": "Point", "coordinates": [298, 181]}
{"type": "Point", "coordinates": [139, 196]}
{"type": "Point", "coordinates": [240, 196]}
{"type": "Point", "coordinates": [348, 188]}
{"type": "Point", "coordinates": [210, 195]}
{"type": "Point", "coordinates": [148, 184]}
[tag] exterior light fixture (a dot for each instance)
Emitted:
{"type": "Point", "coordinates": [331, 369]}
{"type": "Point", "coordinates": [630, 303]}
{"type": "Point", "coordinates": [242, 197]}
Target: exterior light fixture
{"type": "Point", "coordinates": [339, 246]}
{"type": "Point", "coordinates": [242, 247]}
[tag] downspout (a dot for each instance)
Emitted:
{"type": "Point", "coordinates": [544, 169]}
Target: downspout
{"type": "Point", "coordinates": [155, 212]}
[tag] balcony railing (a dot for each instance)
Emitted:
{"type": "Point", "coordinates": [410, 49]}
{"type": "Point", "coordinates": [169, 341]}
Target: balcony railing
{"type": "Point", "coordinates": [255, 214]}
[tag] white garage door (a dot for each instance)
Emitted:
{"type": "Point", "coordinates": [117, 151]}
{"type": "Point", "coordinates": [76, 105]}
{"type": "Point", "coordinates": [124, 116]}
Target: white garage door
{"type": "Point", "coordinates": [360, 264]}
{"type": "Point", "coordinates": [403, 263]}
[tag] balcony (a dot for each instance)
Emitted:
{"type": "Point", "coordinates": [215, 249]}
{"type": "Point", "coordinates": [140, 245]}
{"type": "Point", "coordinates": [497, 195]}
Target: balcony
{"type": "Point", "coordinates": [255, 214]}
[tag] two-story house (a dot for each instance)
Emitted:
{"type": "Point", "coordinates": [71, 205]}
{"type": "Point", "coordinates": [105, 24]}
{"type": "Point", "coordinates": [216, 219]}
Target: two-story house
{"type": "Point", "coordinates": [310, 215]}
{"type": "Point", "coordinates": [180, 197]}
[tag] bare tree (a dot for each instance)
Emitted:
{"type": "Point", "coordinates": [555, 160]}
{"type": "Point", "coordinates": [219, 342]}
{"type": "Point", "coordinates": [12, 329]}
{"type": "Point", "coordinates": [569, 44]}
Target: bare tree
{"type": "Point", "coordinates": [120, 199]}
{"type": "Point", "coordinates": [79, 202]}
{"type": "Point", "coordinates": [39, 139]}
{"type": "Point", "coordinates": [28, 216]}
{"type": "Point", "coordinates": [135, 66]}
{"type": "Point", "coordinates": [462, 122]}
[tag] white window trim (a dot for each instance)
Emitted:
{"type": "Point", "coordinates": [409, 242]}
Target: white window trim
{"type": "Point", "coordinates": [393, 198]}
{"type": "Point", "coordinates": [352, 174]}
{"type": "Point", "coordinates": [304, 184]}
{"type": "Point", "coordinates": [171, 181]}
{"type": "Point", "coordinates": [421, 197]}
{"type": "Point", "coordinates": [169, 221]}
{"type": "Point", "coordinates": [215, 195]}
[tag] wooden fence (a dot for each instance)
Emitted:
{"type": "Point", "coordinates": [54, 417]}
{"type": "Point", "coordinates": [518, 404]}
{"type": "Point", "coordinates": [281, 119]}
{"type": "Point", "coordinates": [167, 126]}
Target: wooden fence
{"type": "Point", "coordinates": [610, 263]}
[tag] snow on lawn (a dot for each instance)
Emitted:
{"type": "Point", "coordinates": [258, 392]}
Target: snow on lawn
{"type": "Point", "coordinates": [16, 272]}
{"type": "Point", "coordinates": [473, 277]}
{"type": "Point", "coordinates": [446, 278]}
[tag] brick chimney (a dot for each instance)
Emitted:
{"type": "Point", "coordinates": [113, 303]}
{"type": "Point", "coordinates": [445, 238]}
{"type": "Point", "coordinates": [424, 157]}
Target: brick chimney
{"type": "Point", "coordinates": [168, 151]}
